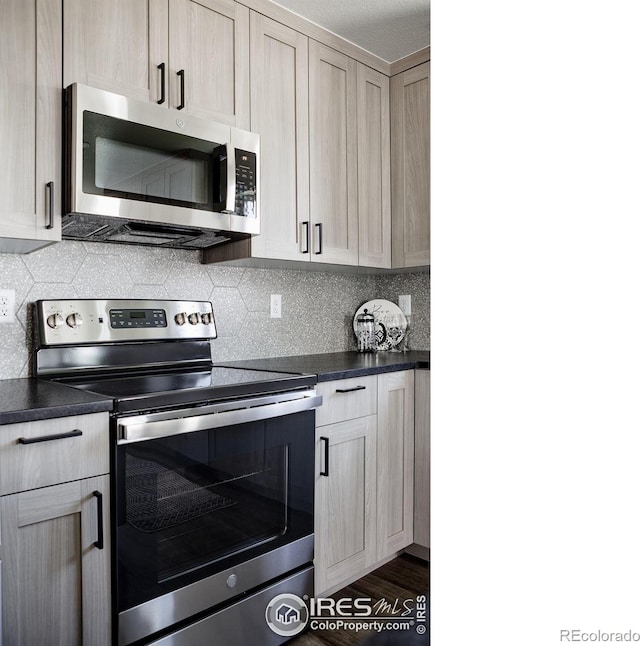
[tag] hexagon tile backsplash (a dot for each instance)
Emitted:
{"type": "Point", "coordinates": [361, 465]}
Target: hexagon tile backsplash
{"type": "Point", "coordinates": [317, 307]}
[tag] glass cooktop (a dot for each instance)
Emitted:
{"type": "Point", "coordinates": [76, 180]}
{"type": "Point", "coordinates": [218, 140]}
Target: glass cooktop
{"type": "Point", "coordinates": [170, 389]}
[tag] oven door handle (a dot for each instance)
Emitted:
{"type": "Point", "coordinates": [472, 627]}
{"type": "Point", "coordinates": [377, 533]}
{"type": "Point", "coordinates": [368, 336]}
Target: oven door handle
{"type": "Point", "coordinates": [155, 425]}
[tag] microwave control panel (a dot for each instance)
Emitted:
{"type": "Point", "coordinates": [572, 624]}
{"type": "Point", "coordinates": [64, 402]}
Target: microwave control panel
{"type": "Point", "coordinates": [245, 183]}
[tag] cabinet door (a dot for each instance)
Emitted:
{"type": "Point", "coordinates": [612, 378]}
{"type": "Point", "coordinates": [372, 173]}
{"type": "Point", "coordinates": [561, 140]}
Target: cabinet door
{"type": "Point", "coordinates": [333, 151]}
{"type": "Point", "coordinates": [30, 136]}
{"type": "Point", "coordinates": [395, 461]}
{"type": "Point", "coordinates": [55, 581]}
{"type": "Point", "coordinates": [209, 41]}
{"type": "Point", "coordinates": [116, 45]}
{"type": "Point", "coordinates": [374, 171]}
{"type": "Point", "coordinates": [410, 167]}
{"type": "Point", "coordinates": [345, 517]}
{"type": "Point", "coordinates": [422, 489]}
{"type": "Point", "coordinates": [280, 115]}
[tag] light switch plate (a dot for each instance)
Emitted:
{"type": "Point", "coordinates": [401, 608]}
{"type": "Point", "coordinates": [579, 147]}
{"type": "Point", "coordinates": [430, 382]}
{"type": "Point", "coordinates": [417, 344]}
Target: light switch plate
{"type": "Point", "coordinates": [276, 306]}
{"type": "Point", "coordinates": [7, 305]}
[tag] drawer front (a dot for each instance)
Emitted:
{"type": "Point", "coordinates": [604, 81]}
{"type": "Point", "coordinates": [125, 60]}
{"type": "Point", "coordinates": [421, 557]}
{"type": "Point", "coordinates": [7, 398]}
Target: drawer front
{"type": "Point", "coordinates": [48, 452]}
{"type": "Point", "coordinates": [345, 399]}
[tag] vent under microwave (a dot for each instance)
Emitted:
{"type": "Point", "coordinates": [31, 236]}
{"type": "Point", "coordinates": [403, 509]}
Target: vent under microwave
{"type": "Point", "coordinates": [91, 228]}
{"type": "Point", "coordinates": [140, 173]}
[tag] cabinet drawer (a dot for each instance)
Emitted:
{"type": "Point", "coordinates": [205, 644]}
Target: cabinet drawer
{"type": "Point", "coordinates": [48, 452]}
{"type": "Point", "coordinates": [344, 399]}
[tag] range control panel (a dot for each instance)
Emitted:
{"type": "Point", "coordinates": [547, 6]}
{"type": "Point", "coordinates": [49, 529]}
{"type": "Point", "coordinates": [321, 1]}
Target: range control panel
{"type": "Point", "coordinates": [75, 321]}
{"type": "Point", "coordinates": [126, 318]}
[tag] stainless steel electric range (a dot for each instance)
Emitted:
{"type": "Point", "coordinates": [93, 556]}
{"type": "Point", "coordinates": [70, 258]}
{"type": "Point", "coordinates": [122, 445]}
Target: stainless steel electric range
{"type": "Point", "coordinates": [211, 469]}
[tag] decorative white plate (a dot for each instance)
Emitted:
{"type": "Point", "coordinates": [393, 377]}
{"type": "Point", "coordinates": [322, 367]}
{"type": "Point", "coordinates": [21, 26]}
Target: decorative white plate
{"type": "Point", "coordinates": [391, 323]}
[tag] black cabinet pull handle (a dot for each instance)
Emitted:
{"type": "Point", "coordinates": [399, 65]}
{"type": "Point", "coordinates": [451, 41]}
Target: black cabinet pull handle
{"type": "Point", "coordinates": [162, 98]}
{"type": "Point", "coordinates": [326, 456]}
{"type": "Point", "coordinates": [47, 438]}
{"type": "Point", "coordinates": [350, 390]}
{"type": "Point", "coordinates": [51, 198]}
{"type": "Point", "coordinates": [319, 226]}
{"type": "Point", "coordinates": [305, 224]}
{"type": "Point", "coordinates": [181, 75]}
{"type": "Point", "coordinates": [100, 542]}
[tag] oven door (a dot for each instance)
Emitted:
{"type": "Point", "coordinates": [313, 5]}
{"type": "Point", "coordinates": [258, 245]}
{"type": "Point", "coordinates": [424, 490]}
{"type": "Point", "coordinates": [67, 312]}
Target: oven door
{"type": "Point", "coordinates": [210, 503]}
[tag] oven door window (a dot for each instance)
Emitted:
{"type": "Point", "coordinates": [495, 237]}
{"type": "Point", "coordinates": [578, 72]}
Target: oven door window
{"type": "Point", "coordinates": [194, 504]}
{"type": "Point", "coordinates": [132, 161]}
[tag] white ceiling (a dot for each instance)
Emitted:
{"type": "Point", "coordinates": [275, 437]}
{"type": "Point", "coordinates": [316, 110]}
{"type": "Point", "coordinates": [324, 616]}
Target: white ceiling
{"type": "Point", "coordinates": [391, 29]}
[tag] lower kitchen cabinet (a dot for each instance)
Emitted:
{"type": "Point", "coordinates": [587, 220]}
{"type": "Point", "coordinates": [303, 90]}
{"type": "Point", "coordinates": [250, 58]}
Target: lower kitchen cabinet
{"type": "Point", "coordinates": [395, 461]}
{"type": "Point", "coordinates": [55, 580]}
{"type": "Point", "coordinates": [421, 518]}
{"type": "Point", "coordinates": [55, 548]}
{"type": "Point", "coordinates": [345, 526]}
{"type": "Point", "coordinates": [364, 476]}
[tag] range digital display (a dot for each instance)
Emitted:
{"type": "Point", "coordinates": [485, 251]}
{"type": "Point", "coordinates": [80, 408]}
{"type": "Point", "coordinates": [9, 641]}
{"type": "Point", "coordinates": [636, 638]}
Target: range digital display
{"type": "Point", "coordinates": [124, 318]}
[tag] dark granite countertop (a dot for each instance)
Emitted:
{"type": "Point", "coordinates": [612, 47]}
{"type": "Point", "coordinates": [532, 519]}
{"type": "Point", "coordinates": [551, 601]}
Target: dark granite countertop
{"type": "Point", "coordinates": [340, 365]}
{"type": "Point", "coordinates": [27, 400]}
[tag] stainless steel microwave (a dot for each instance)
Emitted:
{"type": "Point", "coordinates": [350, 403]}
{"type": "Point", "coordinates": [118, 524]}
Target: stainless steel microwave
{"type": "Point", "coordinates": [140, 173]}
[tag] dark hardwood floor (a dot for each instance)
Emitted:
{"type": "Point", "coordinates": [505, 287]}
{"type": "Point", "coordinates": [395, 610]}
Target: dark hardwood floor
{"type": "Point", "coordinates": [406, 577]}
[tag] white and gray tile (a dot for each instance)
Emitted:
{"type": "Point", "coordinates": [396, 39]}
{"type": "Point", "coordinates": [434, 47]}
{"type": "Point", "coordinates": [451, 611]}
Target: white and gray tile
{"type": "Point", "coordinates": [317, 307]}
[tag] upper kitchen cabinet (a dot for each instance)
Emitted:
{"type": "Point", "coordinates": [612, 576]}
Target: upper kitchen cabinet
{"type": "Point", "coordinates": [280, 115]}
{"type": "Point", "coordinates": [183, 54]}
{"type": "Point", "coordinates": [209, 59]}
{"type": "Point", "coordinates": [333, 152]}
{"type": "Point", "coordinates": [374, 174]}
{"type": "Point", "coordinates": [30, 104]}
{"type": "Point", "coordinates": [410, 167]}
{"type": "Point", "coordinates": [116, 45]}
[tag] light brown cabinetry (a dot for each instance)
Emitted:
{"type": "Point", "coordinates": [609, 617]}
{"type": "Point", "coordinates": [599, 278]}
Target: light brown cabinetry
{"type": "Point", "coordinates": [280, 115]}
{"type": "Point", "coordinates": [395, 461]}
{"type": "Point", "coordinates": [333, 155]}
{"type": "Point", "coordinates": [410, 167]}
{"type": "Point", "coordinates": [201, 49]}
{"type": "Point", "coordinates": [209, 40]}
{"type": "Point", "coordinates": [345, 528]}
{"type": "Point", "coordinates": [374, 174]}
{"type": "Point", "coordinates": [422, 489]}
{"type": "Point", "coordinates": [364, 476]}
{"type": "Point", "coordinates": [30, 128]}
{"type": "Point", "coordinates": [54, 520]}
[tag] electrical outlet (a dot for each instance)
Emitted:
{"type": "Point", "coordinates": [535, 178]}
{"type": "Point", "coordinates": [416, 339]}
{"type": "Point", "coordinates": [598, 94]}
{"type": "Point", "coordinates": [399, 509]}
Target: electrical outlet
{"type": "Point", "coordinates": [404, 303]}
{"type": "Point", "coordinates": [7, 305]}
{"type": "Point", "coordinates": [276, 306]}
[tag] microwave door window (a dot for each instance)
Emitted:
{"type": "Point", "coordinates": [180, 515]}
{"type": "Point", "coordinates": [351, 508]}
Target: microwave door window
{"type": "Point", "coordinates": [132, 161]}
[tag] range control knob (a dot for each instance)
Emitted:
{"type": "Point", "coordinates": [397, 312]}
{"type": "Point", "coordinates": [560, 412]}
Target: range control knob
{"type": "Point", "coordinates": [180, 318]}
{"type": "Point", "coordinates": [74, 320]}
{"type": "Point", "coordinates": [206, 318]}
{"type": "Point", "coordinates": [55, 321]}
{"type": "Point", "coordinates": [194, 318]}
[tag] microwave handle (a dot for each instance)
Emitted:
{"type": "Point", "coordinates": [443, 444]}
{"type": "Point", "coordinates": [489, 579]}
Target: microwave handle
{"type": "Point", "coordinates": [231, 179]}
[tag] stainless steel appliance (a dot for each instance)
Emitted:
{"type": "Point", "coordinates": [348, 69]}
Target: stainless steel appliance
{"type": "Point", "coordinates": [141, 173]}
{"type": "Point", "coordinates": [212, 469]}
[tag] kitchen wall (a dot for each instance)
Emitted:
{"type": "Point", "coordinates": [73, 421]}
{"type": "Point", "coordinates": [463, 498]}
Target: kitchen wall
{"type": "Point", "coordinates": [317, 307]}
